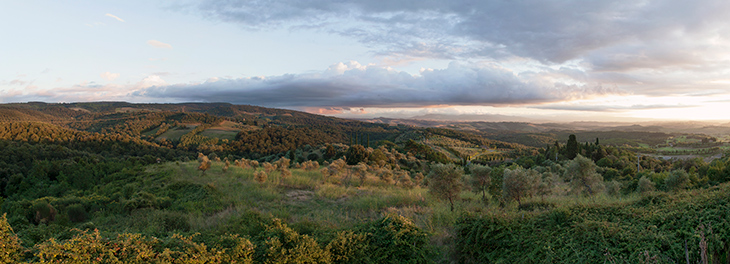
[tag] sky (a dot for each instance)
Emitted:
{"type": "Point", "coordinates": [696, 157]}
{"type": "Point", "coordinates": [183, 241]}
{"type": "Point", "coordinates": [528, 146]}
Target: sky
{"type": "Point", "coordinates": [566, 60]}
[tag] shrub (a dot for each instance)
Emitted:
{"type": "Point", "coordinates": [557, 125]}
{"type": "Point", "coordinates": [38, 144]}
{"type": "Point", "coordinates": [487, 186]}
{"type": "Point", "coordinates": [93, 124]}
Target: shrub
{"type": "Point", "coordinates": [76, 213]}
{"type": "Point", "coordinates": [613, 187]}
{"type": "Point", "coordinates": [282, 244]}
{"type": "Point", "coordinates": [43, 212]}
{"type": "Point", "coordinates": [260, 176]}
{"type": "Point", "coordinates": [349, 247]}
{"type": "Point", "coordinates": [395, 239]}
{"type": "Point", "coordinates": [645, 185]}
{"type": "Point", "coordinates": [677, 180]}
{"type": "Point", "coordinates": [173, 221]}
{"type": "Point", "coordinates": [356, 154]}
{"type": "Point", "coordinates": [10, 249]}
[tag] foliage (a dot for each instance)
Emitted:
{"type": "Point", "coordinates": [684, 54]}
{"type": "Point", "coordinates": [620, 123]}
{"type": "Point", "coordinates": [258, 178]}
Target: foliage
{"type": "Point", "coordinates": [281, 244]}
{"type": "Point", "coordinates": [645, 185]}
{"type": "Point", "coordinates": [88, 247]}
{"type": "Point", "coordinates": [10, 249]}
{"type": "Point", "coordinates": [620, 232]}
{"type": "Point", "coordinates": [571, 147]}
{"type": "Point", "coordinates": [395, 239]}
{"type": "Point", "coordinates": [356, 154]}
{"type": "Point", "coordinates": [481, 178]}
{"type": "Point", "coordinates": [581, 172]}
{"type": "Point", "coordinates": [444, 182]}
{"type": "Point", "coordinates": [677, 180]}
{"type": "Point", "coordinates": [349, 247]}
{"type": "Point", "coordinates": [425, 152]}
{"type": "Point", "coordinates": [519, 183]}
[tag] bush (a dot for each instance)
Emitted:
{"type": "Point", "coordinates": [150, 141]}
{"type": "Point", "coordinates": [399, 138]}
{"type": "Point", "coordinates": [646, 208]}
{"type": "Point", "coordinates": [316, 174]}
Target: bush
{"type": "Point", "coordinates": [645, 185]}
{"type": "Point", "coordinates": [535, 205]}
{"type": "Point", "coordinates": [173, 221]}
{"type": "Point", "coordinates": [349, 247]}
{"type": "Point", "coordinates": [10, 249]}
{"type": "Point", "coordinates": [281, 244]}
{"type": "Point", "coordinates": [43, 212]}
{"type": "Point", "coordinates": [395, 239]}
{"type": "Point", "coordinates": [76, 213]}
{"type": "Point", "coordinates": [677, 180]}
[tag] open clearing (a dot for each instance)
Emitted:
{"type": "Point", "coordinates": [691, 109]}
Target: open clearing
{"type": "Point", "coordinates": [176, 132]}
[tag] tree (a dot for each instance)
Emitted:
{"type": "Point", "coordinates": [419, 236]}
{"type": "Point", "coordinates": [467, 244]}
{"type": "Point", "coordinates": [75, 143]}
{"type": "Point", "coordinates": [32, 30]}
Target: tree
{"type": "Point", "coordinates": [480, 179]}
{"type": "Point", "coordinates": [204, 163]}
{"type": "Point", "coordinates": [677, 180]}
{"type": "Point", "coordinates": [361, 171]}
{"type": "Point", "coordinates": [356, 154]}
{"type": "Point", "coordinates": [329, 152]}
{"type": "Point", "coordinates": [445, 182]}
{"type": "Point", "coordinates": [519, 182]}
{"type": "Point", "coordinates": [645, 185]}
{"type": "Point", "coordinates": [581, 172]}
{"type": "Point", "coordinates": [571, 148]}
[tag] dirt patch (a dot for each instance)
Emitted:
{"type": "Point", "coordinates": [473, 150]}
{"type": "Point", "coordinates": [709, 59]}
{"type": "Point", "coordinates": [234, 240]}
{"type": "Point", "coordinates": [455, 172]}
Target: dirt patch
{"type": "Point", "coordinates": [299, 195]}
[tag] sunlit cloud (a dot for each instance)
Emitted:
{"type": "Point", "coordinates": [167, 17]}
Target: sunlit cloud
{"type": "Point", "coordinates": [115, 17]}
{"type": "Point", "coordinates": [158, 44]}
{"type": "Point", "coordinates": [109, 76]}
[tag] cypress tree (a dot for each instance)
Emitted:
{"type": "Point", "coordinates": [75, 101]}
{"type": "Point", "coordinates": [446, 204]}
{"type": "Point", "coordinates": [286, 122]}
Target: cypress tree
{"type": "Point", "coordinates": [571, 147]}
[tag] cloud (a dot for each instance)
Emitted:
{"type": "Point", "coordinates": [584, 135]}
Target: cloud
{"type": "Point", "coordinates": [17, 82]}
{"type": "Point", "coordinates": [608, 108]}
{"type": "Point", "coordinates": [354, 85]}
{"type": "Point", "coordinates": [115, 17]}
{"type": "Point", "coordinates": [611, 35]}
{"type": "Point", "coordinates": [84, 92]}
{"type": "Point", "coordinates": [109, 76]}
{"type": "Point", "coordinates": [158, 44]}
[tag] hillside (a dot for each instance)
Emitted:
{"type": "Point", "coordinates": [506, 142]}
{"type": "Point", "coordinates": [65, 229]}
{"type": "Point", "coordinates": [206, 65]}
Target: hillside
{"type": "Point", "coordinates": [220, 182]}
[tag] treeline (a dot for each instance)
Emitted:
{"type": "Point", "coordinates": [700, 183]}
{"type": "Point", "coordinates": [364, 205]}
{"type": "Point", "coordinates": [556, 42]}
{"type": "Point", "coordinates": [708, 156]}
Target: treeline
{"type": "Point", "coordinates": [614, 138]}
{"type": "Point", "coordinates": [33, 170]}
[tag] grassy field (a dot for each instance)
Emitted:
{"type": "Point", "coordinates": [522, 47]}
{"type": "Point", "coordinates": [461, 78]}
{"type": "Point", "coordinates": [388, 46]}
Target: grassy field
{"type": "Point", "coordinates": [218, 133]}
{"type": "Point", "coordinates": [305, 197]}
{"type": "Point", "coordinates": [177, 132]}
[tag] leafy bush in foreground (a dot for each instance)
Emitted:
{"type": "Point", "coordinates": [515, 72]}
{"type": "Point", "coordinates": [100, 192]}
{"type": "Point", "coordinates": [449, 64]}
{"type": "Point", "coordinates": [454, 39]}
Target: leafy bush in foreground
{"type": "Point", "coordinates": [654, 228]}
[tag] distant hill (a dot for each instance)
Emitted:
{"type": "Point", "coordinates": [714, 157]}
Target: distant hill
{"type": "Point", "coordinates": [251, 131]}
{"type": "Point", "coordinates": [541, 134]}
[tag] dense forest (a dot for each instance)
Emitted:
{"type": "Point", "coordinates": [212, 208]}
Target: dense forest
{"type": "Point", "coordinates": [219, 183]}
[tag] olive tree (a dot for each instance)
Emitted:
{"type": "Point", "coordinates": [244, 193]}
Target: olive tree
{"type": "Point", "coordinates": [677, 180]}
{"type": "Point", "coordinates": [445, 182]}
{"type": "Point", "coordinates": [480, 179]}
{"type": "Point", "coordinates": [519, 182]}
{"type": "Point", "coordinates": [581, 172]}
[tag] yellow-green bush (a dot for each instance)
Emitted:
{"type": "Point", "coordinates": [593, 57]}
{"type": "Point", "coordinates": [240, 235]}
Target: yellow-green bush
{"type": "Point", "coordinates": [134, 248]}
{"type": "Point", "coordinates": [10, 249]}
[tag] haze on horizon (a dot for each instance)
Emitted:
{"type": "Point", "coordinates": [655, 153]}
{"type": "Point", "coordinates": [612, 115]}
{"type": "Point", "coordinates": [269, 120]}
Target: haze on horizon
{"type": "Point", "coordinates": [542, 60]}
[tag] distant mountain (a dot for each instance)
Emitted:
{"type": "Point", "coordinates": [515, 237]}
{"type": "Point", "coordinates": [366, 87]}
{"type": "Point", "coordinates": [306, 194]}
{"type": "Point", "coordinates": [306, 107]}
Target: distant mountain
{"type": "Point", "coordinates": [472, 118]}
